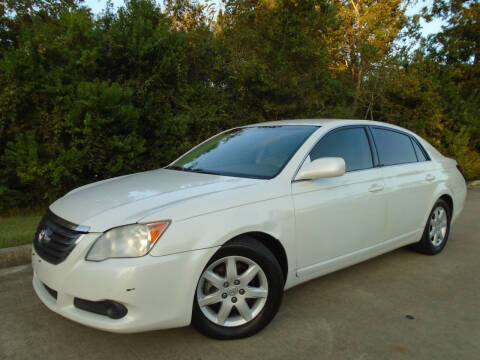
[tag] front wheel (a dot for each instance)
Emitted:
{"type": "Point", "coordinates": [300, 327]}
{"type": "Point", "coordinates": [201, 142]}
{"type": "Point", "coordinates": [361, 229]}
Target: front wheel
{"type": "Point", "coordinates": [437, 229]}
{"type": "Point", "coordinates": [239, 291]}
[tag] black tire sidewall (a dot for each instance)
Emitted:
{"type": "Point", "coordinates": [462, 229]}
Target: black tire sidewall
{"type": "Point", "coordinates": [254, 250]}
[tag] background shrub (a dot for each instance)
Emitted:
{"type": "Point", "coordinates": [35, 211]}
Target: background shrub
{"type": "Point", "coordinates": [85, 97]}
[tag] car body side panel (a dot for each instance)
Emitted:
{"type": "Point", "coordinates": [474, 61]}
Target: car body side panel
{"type": "Point", "coordinates": [455, 183]}
{"type": "Point", "coordinates": [341, 262]}
{"type": "Point", "coordinates": [409, 195]}
{"type": "Point", "coordinates": [338, 216]}
{"type": "Point", "coordinates": [448, 181]}
{"type": "Point", "coordinates": [273, 217]}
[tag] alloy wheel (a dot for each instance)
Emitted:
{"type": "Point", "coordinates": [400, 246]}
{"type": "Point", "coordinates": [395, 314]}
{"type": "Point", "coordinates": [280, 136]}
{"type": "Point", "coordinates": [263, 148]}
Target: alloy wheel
{"type": "Point", "coordinates": [438, 226]}
{"type": "Point", "coordinates": [232, 291]}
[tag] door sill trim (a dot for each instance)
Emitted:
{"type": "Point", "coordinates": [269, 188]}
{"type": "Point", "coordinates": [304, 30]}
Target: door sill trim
{"type": "Point", "coordinates": [343, 261]}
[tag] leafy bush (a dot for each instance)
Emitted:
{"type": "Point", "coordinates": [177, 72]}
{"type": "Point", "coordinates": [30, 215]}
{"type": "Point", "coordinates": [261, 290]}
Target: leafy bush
{"type": "Point", "coordinates": [83, 98]}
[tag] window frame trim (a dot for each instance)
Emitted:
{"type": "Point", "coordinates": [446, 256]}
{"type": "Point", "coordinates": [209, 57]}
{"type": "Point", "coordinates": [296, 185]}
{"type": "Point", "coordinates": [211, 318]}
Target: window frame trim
{"type": "Point", "coordinates": [372, 144]}
{"type": "Point", "coordinates": [415, 150]}
{"type": "Point", "coordinates": [412, 139]}
{"type": "Point", "coordinates": [422, 149]}
{"type": "Point", "coordinates": [331, 131]}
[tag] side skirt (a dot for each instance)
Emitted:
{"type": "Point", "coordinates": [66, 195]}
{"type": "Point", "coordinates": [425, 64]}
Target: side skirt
{"type": "Point", "coordinates": [326, 267]}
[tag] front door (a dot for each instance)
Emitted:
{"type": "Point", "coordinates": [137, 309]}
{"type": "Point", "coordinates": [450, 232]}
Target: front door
{"type": "Point", "coordinates": [338, 216]}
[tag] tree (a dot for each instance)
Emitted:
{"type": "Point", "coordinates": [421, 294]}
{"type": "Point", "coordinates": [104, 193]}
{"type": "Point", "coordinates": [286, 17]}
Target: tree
{"type": "Point", "coordinates": [86, 97]}
{"type": "Point", "coordinates": [456, 48]}
{"type": "Point", "coordinates": [365, 37]}
{"type": "Point", "coordinates": [278, 57]}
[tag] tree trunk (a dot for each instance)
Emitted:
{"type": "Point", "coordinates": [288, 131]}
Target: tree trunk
{"type": "Point", "coordinates": [357, 89]}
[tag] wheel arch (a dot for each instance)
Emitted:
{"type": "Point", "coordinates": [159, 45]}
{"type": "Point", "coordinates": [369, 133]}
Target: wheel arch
{"type": "Point", "coordinates": [272, 244]}
{"type": "Point", "coordinates": [441, 193]}
{"type": "Point", "coordinates": [449, 200]}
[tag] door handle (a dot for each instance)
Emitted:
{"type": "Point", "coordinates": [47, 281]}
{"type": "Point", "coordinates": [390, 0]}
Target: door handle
{"type": "Point", "coordinates": [429, 177]}
{"type": "Point", "coordinates": [375, 188]}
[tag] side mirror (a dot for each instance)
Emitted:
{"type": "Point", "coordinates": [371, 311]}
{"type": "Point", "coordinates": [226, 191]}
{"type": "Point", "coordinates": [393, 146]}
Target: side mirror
{"type": "Point", "coordinates": [322, 168]}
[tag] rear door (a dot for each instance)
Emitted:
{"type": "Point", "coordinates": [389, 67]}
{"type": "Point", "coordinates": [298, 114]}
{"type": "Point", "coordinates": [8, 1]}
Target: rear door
{"type": "Point", "coordinates": [341, 215]}
{"type": "Point", "coordinates": [409, 182]}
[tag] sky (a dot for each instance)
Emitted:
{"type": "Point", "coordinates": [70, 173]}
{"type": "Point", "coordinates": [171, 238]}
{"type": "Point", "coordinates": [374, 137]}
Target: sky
{"type": "Point", "coordinates": [427, 28]}
{"type": "Point", "coordinates": [98, 5]}
{"type": "Point", "coordinates": [433, 26]}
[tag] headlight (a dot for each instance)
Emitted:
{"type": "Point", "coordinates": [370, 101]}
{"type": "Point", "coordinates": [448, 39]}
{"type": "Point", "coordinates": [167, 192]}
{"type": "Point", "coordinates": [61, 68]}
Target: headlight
{"type": "Point", "coordinates": [127, 241]}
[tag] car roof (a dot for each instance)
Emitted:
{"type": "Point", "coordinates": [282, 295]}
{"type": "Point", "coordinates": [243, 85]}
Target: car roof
{"type": "Point", "coordinates": [320, 122]}
{"type": "Point", "coordinates": [343, 122]}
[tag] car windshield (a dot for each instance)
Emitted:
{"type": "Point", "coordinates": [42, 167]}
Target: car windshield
{"type": "Point", "coordinates": [255, 152]}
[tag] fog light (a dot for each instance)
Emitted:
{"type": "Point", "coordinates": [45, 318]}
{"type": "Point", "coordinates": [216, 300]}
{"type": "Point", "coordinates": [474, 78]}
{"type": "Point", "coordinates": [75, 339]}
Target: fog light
{"type": "Point", "coordinates": [115, 310]}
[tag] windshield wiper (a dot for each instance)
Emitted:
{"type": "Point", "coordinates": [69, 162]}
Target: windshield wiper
{"type": "Point", "coordinates": [200, 171]}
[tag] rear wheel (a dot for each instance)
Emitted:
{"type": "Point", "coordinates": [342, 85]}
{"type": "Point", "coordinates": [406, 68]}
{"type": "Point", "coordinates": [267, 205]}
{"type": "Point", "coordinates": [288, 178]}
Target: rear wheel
{"type": "Point", "coordinates": [437, 230]}
{"type": "Point", "coordinates": [239, 291]}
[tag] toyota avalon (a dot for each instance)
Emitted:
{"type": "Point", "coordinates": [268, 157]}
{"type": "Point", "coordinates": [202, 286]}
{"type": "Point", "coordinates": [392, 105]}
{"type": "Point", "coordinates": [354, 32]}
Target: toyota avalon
{"type": "Point", "coordinates": [214, 238]}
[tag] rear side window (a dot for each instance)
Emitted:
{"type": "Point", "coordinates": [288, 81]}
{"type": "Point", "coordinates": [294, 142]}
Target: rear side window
{"type": "Point", "coordinates": [420, 154]}
{"type": "Point", "coordinates": [350, 144]}
{"type": "Point", "coordinates": [393, 147]}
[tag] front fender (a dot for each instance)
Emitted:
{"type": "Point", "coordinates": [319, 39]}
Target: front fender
{"type": "Point", "coordinates": [274, 217]}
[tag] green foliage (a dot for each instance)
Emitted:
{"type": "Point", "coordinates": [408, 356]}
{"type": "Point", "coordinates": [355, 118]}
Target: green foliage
{"type": "Point", "coordinates": [83, 98]}
{"type": "Point", "coordinates": [278, 58]}
{"type": "Point", "coordinates": [18, 230]}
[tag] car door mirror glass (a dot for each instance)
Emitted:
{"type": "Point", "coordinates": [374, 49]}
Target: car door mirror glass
{"type": "Point", "coordinates": [322, 168]}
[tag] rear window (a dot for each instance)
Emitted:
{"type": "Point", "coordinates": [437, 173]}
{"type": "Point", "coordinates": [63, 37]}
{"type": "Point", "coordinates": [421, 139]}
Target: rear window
{"type": "Point", "coordinates": [420, 153]}
{"type": "Point", "coordinates": [393, 147]}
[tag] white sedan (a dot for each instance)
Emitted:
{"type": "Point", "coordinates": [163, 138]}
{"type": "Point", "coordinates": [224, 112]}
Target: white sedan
{"type": "Point", "coordinates": [215, 238]}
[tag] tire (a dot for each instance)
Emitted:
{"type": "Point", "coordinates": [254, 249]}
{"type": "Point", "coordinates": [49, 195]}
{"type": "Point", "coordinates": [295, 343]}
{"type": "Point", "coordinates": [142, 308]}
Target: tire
{"type": "Point", "coordinates": [239, 321]}
{"type": "Point", "coordinates": [432, 245]}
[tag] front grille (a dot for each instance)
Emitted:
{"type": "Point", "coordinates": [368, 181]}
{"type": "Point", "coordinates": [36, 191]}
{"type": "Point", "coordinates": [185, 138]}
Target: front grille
{"type": "Point", "coordinates": [55, 238]}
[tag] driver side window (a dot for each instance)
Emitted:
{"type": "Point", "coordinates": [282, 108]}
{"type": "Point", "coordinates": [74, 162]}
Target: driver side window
{"type": "Point", "coordinates": [351, 144]}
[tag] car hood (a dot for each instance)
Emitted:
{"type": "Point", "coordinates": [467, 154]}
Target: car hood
{"type": "Point", "coordinates": [127, 199]}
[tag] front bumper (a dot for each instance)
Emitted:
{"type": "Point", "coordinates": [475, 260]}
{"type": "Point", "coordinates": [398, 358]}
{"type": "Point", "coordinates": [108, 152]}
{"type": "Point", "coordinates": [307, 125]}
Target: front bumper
{"type": "Point", "coordinates": [157, 291]}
